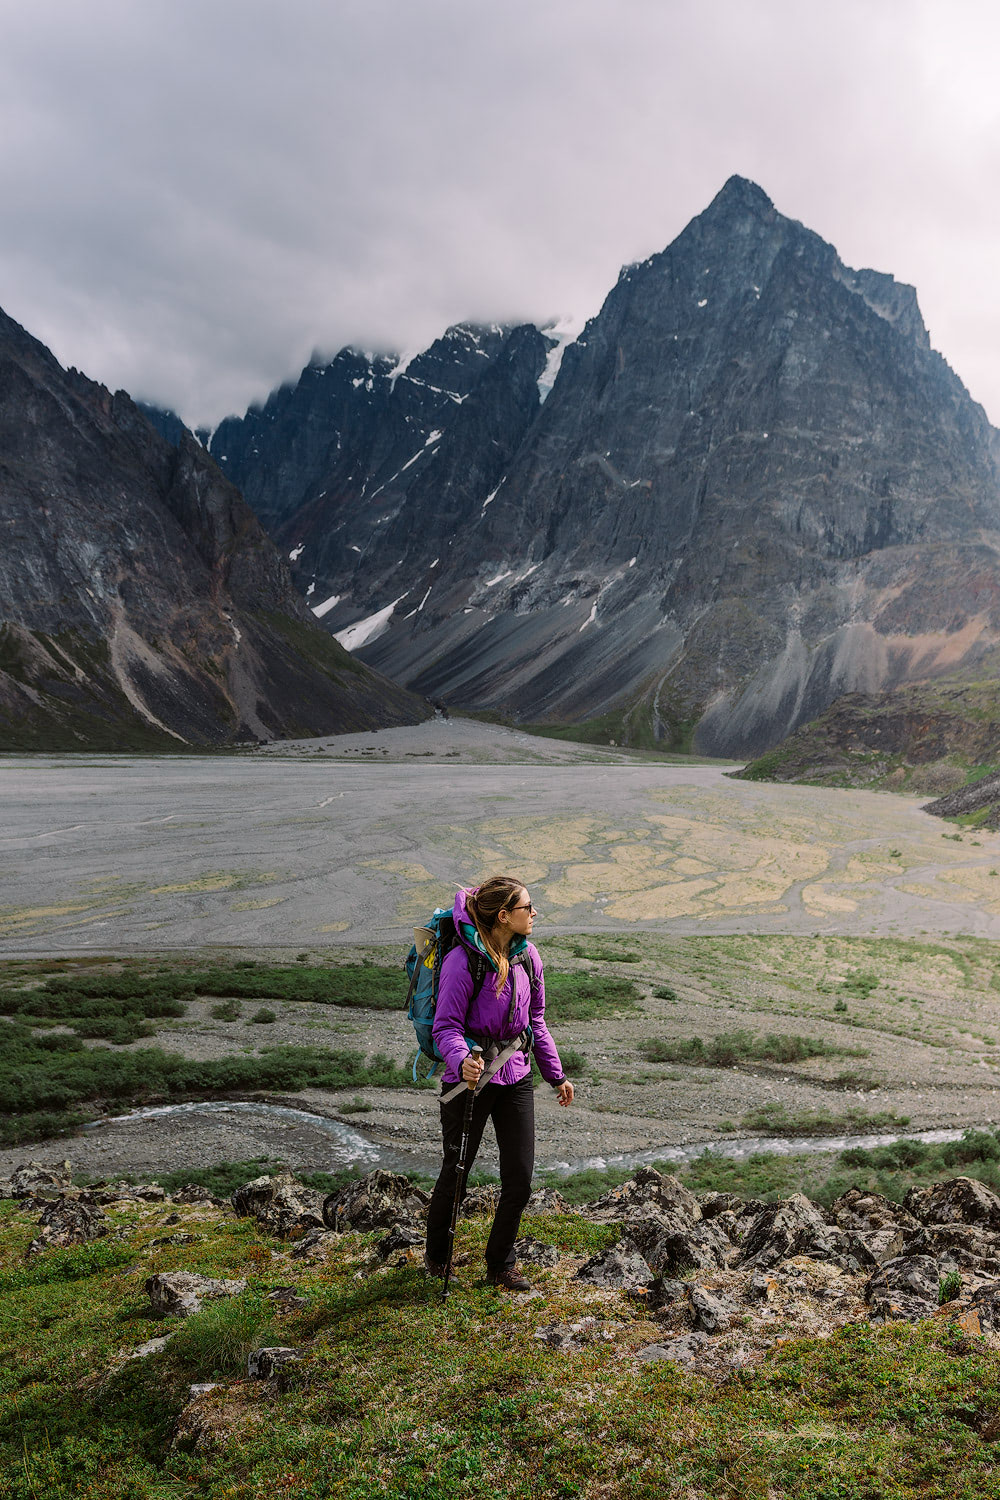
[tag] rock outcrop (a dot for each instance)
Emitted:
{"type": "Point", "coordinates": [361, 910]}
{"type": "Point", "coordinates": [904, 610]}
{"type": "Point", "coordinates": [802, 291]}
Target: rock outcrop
{"type": "Point", "coordinates": [141, 603]}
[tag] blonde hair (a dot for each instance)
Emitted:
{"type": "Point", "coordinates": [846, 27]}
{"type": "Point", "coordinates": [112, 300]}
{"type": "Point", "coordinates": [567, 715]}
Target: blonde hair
{"type": "Point", "coordinates": [484, 906]}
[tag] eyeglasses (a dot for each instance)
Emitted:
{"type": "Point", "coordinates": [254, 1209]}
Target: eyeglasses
{"type": "Point", "coordinates": [527, 906]}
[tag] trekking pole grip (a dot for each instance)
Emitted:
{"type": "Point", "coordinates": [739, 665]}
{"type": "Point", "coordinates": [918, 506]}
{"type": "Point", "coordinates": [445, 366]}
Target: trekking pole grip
{"type": "Point", "coordinates": [477, 1053]}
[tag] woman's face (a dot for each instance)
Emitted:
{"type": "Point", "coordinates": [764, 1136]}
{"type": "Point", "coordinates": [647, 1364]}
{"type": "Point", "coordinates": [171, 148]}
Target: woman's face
{"type": "Point", "coordinates": [521, 914]}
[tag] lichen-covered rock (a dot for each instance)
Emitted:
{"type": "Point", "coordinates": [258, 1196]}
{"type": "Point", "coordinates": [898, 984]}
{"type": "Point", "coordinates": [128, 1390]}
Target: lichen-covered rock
{"type": "Point", "coordinates": [67, 1221]}
{"type": "Point", "coordinates": [376, 1201]}
{"type": "Point", "coordinates": [865, 1211]}
{"type": "Point", "coordinates": [265, 1364]}
{"type": "Point", "coordinates": [908, 1287]}
{"type": "Point", "coordinates": [670, 1244]}
{"type": "Point", "coordinates": [792, 1227]}
{"type": "Point", "coordinates": [714, 1204]}
{"type": "Point", "coordinates": [711, 1315]}
{"type": "Point", "coordinates": [193, 1192]}
{"type": "Point", "coordinates": [480, 1202]}
{"type": "Point", "coordinates": [400, 1237]}
{"type": "Point", "coordinates": [621, 1268]}
{"type": "Point", "coordinates": [281, 1205]}
{"type": "Point", "coordinates": [575, 1335]}
{"type": "Point", "coordinates": [547, 1200]}
{"type": "Point", "coordinates": [34, 1180]}
{"type": "Point", "coordinates": [181, 1293]}
{"type": "Point", "coordinates": [533, 1252]}
{"type": "Point", "coordinates": [682, 1350]}
{"type": "Point", "coordinates": [648, 1192]}
{"type": "Point", "coordinates": [957, 1247]}
{"type": "Point", "coordinates": [315, 1244]}
{"type": "Point", "coordinates": [962, 1200]}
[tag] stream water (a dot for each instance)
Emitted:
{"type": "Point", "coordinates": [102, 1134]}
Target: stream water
{"type": "Point", "coordinates": [349, 1147]}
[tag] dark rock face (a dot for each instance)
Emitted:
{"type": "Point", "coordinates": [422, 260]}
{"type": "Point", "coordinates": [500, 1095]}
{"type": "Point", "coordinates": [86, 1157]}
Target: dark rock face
{"type": "Point", "coordinates": [69, 1221]}
{"type": "Point", "coordinates": [379, 1200]}
{"type": "Point", "coordinates": [754, 487]}
{"type": "Point", "coordinates": [141, 603]}
{"type": "Point", "coordinates": [280, 1205]}
{"type": "Point", "coordinates": [792, 1227]}
{"type": "Point", "coordinates": [905, 1288]}
{"type": "Point", "coordinates": [366, 471]}
{"type": "Point", "coordinates": [621, 1267]}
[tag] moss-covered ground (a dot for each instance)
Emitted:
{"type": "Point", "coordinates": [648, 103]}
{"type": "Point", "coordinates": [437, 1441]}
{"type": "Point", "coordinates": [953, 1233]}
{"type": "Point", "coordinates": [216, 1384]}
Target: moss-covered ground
{"type": "Point", "coordinates": [398, 1398]}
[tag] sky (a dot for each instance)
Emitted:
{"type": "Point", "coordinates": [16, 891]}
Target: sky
{"type": "Point", "coordinates": [198, 195]}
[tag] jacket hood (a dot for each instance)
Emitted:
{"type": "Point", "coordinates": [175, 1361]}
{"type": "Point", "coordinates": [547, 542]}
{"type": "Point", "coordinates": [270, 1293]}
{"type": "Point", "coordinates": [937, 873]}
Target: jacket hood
{"type": "Point", "coordinates": [466, 929]}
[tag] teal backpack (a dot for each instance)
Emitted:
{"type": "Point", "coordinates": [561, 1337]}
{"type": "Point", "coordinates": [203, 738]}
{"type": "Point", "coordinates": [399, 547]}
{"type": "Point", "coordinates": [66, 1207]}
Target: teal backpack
{"type": "Point", "coordinates": [423, 964]}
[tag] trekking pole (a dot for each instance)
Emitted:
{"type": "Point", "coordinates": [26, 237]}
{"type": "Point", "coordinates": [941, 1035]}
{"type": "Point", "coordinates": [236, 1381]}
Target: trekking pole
{"type": "Point", "coordinates": [470, 1099]}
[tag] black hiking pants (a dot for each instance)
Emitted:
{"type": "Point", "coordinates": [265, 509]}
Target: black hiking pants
{"type": "Point", "coordinates": [511, 1107]}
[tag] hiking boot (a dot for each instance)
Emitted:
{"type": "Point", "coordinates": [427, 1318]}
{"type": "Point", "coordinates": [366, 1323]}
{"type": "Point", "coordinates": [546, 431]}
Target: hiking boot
{"type": "Point", "coordinates": [438, 1268]}
{"type": "Point", "coordinates": [509, 1277]}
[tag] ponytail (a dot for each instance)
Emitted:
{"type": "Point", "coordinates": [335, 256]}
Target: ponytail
{"type": "Point", "coordinates": [484, 906]}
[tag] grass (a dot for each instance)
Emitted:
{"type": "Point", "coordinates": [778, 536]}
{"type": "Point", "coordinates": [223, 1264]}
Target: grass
{"type": "Point", "coordinates": [776, 1119]}
{"type": "Point", "coordinates": [587, 997]}
{"type": "Point", "coordinates": [215, 1342]}
{"type": "Point", "coordinates": [50, 1084]}
{"type": "Point", "coordinates": [733, 1047]}
{"type": "Point", "coordinates": [822, 1176]}
{"type": "Point", "coordinates": [396, 1400]}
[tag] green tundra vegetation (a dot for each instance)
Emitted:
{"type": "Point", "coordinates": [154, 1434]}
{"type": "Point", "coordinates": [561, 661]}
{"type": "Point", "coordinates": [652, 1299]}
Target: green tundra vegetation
{"type": "Point", "coordinates": [397, 1398]}
{"type": "Point", "coordinates": [52, 1082]}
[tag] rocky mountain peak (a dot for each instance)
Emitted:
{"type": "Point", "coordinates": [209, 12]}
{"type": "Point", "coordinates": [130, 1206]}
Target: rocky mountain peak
{"type": "Point", "coordinates": [750, 489]}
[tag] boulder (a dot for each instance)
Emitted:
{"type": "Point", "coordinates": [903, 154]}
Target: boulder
{"type": "Point", "coordinates": [574, 1335]}
{"type": "Point", "coordinates": [480, 1202]}
{"type": "Point", "coordinates": [532, 1252]}
{"type": "Point", "coordinates": [714, 1204]}
{"type": "Point", "coordinates": [34, 1180]}
{"type": "Point", "coordinates": [281, 1205]}
{"type": "Point", "coordinates": [710, 1314]}
{"type": "Point", "coordinates": [792, 1227]}
{"type": "Point", "coordinates": [315, 1244]}
{"type": "Point", "coordinates": [957, 1247]}
{"type": "Point", "coordinates": [649, 1191]}
{"type": "Point", "coordinates": [671, 1245]}
{"type": "Point", "coordinates": [378, 1200]}
{"type": "Point", "coordinates": [400, 1237]}
{"type": "Point", "coordinates": [682, 1350]}
{"type": "Point", "coordinates": [67, 1221]}
{"type": "Point", "coordinates": [962, 1200]}
{"type": "Point", "coordinates": [547, 1200]}
{"type": "Point", "coordinates": [621, 1268]}
{"type": "Point", "coordinates": [908, 1287]}
{"type": "Point", "coordinates": [181, 1293]}
{"type": "Point", "coordinates": [193, 1192]}
{"type": "Point", "coordinates": [287, 1299]}
{"type": "Point", "coordinates": [864, 1212]}
{"type": "Point", "coordinates": [265, 1364]}
{"type": "Point", "coordinates": [865, 1248]}
{"type": "Point", "coordinates": [986, 1307]}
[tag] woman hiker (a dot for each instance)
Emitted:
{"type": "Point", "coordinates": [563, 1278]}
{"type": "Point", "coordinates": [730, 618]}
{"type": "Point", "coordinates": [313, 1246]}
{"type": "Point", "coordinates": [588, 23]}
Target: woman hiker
{"type": "Point", "coordinates": [494, 921]}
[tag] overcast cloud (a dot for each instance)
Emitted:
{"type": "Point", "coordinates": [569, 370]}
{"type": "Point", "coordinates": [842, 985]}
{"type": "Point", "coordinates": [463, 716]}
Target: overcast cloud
{"type": "Point", "coordinates": [196, 194]}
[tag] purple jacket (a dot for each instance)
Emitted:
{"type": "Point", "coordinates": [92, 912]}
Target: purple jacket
{"type": "Point", "coordinates": [454, 1019]}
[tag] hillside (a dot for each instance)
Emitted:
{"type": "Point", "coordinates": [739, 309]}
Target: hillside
{"type": "Point", "coordinates": [180, 1346]}
{"type": "Point", "coordinates": [141, 603]}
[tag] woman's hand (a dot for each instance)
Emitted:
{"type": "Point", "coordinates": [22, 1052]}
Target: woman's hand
{"type": "Point", "coordinates": [564, 1093]}
{"type": "Point", "coordinates": [471, 1068]}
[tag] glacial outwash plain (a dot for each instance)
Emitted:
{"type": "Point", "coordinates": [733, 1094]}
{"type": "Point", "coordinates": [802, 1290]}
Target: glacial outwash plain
{"type": "Point", "coordinates": [846, 939]}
